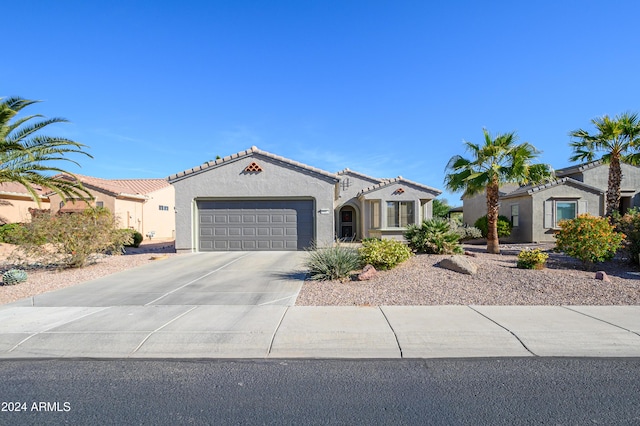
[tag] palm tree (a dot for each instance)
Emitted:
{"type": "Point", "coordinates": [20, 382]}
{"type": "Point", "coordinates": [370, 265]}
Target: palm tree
{"type": "Point", "coordinates": [28, 158]}
{"type": "Point", "coordinates": [618, 139]}
{"type": "Point", "coordinates": [496, 162]}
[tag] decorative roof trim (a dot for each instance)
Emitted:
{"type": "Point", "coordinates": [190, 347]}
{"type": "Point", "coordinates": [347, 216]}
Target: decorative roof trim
{"type": "Point", "coordinates": [531, 189]}
{"type": "Point", "coordinates": [578, 168]}
{"type": "Point", "coordinates": [242, 154]}
{"type": "Point", "coordinates": [399, 179]}
{"type": "Point", "coordinates": [362, 175]}
{"type": "Point", "coordinates": [253, 168]}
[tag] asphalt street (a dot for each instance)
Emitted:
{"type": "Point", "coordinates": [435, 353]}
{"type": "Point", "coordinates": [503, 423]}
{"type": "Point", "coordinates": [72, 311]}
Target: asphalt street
{"type": "Point", "coordinates": [506, 391]}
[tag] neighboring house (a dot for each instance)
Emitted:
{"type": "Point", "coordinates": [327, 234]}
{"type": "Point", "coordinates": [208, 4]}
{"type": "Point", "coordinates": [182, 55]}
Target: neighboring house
{"type": "Point", "coordinates": [535, 210]}
{"type": "Point", "coordinates": [255, 200]}
{"type": "Point", "coordinates": [15, 202]}
{"type": "Point", "coordinates": [146, 205]}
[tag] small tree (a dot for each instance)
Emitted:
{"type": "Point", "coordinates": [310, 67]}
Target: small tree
{"type": "Point", "coordinates": [441, 208]}
{"type": "Point", "coordinates": [70, 240]}
{"type": "Point", "coordinates": [497, 161]}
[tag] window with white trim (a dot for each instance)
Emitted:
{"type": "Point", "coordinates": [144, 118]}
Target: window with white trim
{"type": "Point", "coordinates": [515, 215]}
{"type": "Point", "coordinates": [399, 214]}
{"type": "Point", "coordinates": [558, 210]}
{"type": "Point", "coordinates": [565, 210]}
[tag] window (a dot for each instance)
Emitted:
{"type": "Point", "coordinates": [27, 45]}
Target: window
{"type": "Point", "coordinates": [399, 214]}
{"type": "Point", "coordinates": [565, 210]}
{"type": "Point", "coordinates": [558, 210]}
{"type": "Point", "coordinates": [163, 208]}
{"type": "Point", "coordinates": [375, 214]}
{"type": "Point", "coordinates": [515, 215]}
{"type": "Point", "coordinates": [99, 204]}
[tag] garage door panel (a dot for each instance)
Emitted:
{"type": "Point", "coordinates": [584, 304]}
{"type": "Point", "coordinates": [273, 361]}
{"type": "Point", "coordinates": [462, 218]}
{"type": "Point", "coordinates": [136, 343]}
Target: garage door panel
{"type": "Point", "coordinates": [255, 224]}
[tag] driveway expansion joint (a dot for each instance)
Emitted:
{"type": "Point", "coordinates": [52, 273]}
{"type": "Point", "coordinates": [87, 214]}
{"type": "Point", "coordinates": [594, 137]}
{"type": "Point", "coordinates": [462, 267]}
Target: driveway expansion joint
{"type": "Point", "coordinates": [601, 320]}
{"type": "Point", "coordinates": [505, 328]}
{"type": "Point", "coordinates": [160, 328]}
{"type": "Point", "coordinates": [275, 331]}
{"type": "Point", "coordinates": [395, 335]}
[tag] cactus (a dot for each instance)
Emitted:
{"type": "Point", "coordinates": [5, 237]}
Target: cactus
{"type": "Point", "coordinates": [13, 277]}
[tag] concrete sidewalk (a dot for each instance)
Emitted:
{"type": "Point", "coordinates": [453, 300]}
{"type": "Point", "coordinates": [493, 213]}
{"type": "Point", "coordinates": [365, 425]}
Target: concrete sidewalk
{"type": "Point", "coordinates": [277, 331]}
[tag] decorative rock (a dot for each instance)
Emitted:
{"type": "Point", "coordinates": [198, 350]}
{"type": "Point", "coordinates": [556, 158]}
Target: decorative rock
{"type": "Point", "coordinates": [459, 264]}
{"type": "Point", "coordinates": [368, 272]}
{"type": "Point", "coordinates": [470, 253]}
{"type": "Point", "coordinates": [602, 275]}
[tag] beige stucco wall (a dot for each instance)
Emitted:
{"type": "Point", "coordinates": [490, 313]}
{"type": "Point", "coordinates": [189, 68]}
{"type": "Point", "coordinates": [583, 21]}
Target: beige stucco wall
{"type": "Point", "coordinates": [162, 222]}
{"type": "Point", "coordinates": [16, 209]}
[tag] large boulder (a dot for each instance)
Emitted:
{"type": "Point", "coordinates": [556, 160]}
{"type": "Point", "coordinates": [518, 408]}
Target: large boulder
{"type": "Point", "coordinates": [459, 264]}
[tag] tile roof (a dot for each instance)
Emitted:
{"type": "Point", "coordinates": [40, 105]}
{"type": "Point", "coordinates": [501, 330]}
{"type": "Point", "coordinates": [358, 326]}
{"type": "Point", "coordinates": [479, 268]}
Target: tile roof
{"type": "Point", "coordinates": [136, 188]}
{"type": "Point", "coordinates": [242, 154]}
{"type": "Point", "coordinates": [400, 179]}
{"type": "Point", "coordinates": [531, 189]}
{"type": "Point", "coordinates": [13, 188]}
{"type": "Point", "coordinates": [578, 168]}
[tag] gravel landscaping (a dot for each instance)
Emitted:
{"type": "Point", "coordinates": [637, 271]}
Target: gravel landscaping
{"type": "Point", "coordinates": [418, 281]}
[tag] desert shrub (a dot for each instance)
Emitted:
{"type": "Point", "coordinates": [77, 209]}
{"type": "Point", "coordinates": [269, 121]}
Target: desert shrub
{"type": "Point", "coordinates": [13, 277]}
{"type": "Point", "coordinates": [72, 239]}
{"type": "Point", "coordinates": [433, 236]}
{"type": "Point", "coordinates": [383, 254]}
{"type": "Point", "coordinates": [11, 233]}
{"type": "Point", "coordinates": [332, 263]}
{"type": "Point", "coordinates": [136, 238]}
{"type": "Point", "coordinates": [589, 239]}
{"type": "Point", "coordinates": [464, 232]}
{"type": "Point", "coordinates": [629, 224]}
{"type": "Point", "coordinates": [504, 226]}
{"type": "Point", "coordinates": [532, 259]}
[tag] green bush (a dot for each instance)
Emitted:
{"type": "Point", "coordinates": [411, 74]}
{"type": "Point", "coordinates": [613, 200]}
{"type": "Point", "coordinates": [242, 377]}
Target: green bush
{"type": "Point", "coordinates": [589, 239]}
{"type": "Point", "coordinates": [332, 263]}
{"type": "Point", "coordinates": [433, 236]}
{"type": "Point", "coordinates": [383, 254]}
{"type": "Point", "coordinates": [504, 226]}
{"type": "Point", "coordinates": [629, 224]}
{"type": "Point", "coordinates": [13, 277]}
{"type": "Point", "coordinates": [11, 233]}
{"type": "Point", "coordinates": [136, 238]}
{"type": "Point", "coordinates": [72, 238]}
{"type": "Point", "coordinates": [532, 259]}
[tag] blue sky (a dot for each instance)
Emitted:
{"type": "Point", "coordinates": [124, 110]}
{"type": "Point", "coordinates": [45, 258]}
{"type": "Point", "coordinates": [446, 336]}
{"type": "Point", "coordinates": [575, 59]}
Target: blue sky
{"type": "Point", "coordinates": [386, 88]}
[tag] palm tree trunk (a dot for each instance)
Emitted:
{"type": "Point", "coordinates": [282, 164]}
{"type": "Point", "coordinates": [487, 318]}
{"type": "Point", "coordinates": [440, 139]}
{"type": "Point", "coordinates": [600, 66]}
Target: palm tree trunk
{"type": "Point", "coordinates": [493, 244]}
{"type": "Point", "coordinates": [613, 186]}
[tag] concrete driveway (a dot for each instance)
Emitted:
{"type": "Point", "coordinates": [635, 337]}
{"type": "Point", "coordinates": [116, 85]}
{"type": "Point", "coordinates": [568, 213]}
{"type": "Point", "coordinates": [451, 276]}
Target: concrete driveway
{"type": "Point", "coordinates": [223, 278]}
{"type": "Point", "coordinates": [195, 305]}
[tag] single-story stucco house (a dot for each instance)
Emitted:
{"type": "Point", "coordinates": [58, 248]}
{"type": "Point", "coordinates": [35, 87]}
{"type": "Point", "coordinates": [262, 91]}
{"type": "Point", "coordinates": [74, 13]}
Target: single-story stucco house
{"type": "Point", "coordinates": [535, 210]}
{"type": "Point", "coordinates": [255, 200]}
{"type": "Point", "coordinates": [145, 205]}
